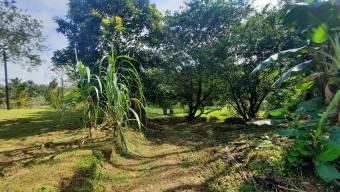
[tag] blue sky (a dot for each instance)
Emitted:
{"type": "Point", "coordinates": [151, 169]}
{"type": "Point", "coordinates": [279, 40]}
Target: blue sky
{"type": "Point", "coordinates": [46, 10]}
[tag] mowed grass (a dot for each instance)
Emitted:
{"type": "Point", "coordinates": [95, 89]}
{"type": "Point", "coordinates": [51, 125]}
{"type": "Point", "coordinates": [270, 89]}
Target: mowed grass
{"type": "Point", "coordinates": [213, 113]}
{"type": "Point", "coordinates": [42, 150]}
{"type": "Point", "coordinates": [26, 127]}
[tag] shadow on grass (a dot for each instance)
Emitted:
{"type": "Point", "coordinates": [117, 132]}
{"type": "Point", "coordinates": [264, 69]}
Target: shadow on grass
{"type": "Point", "coordinates": [38, 123]}
{"type": "Point", "coordinates": [37, 155]}
{"type": "Point", "coordinates": [197, 135]}
{"type": "Point", "coordinates": [81, 180]}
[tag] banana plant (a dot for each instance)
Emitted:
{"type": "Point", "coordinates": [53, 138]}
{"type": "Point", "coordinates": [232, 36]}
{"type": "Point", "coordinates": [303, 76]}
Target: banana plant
{"type": "Point", "coordinates": [315, 139]}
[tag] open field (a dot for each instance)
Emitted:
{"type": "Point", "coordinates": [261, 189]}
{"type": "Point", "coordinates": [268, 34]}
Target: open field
{"type": "Point", "coordinates": [39, 153]}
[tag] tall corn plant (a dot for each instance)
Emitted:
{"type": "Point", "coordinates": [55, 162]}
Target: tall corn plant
{"type": "Point", "coordinates": [88, 94]}
{"type": "Point", "coordinates": [123, 93]}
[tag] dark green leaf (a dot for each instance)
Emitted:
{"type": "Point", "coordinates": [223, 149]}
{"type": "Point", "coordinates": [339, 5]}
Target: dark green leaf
{"type": "Point", "coordinates": [309, 106]}
{"type": "Point", "coordinates": [298, 69]}
{"type": "Point", "coordinates": [327, 171]}
{"type": "Point", "coordinates": [330, 152]}
{"type": "Point", "coordinates": [335, 137]}
{"type": "Point", "coordinates": [269, 61]}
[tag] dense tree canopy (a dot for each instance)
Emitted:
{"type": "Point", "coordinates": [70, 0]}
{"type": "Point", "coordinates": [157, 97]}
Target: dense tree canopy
{"type": "Point", "coordinates": [93, 28]}
{"type": "Point", "coordinates": [188, 36]}
{"type": "Point", "coordinates": [242, 50]}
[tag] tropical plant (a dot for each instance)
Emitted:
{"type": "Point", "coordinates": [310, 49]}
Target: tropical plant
{"type": "Point", "coordinates": [316, 138]}
{"type": "Point", "coordinates": [53, 95]}
{"type": "Point", "coordinates": [115, 96]}
{"type": "Point", "coordinates": [19, 90]}
{"type": "Point", "coordinates": [88, 95]}
{"type": "Point", "coordinates": [121, 82]}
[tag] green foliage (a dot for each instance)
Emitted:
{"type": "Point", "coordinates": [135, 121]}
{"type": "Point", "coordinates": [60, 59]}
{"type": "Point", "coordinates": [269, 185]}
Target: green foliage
{"type": "Point", "coordinates": [312, 144]}
{"type": "Point", "coordinates": [19, 92]}
{"type": "Point", "coordinates": [160, 88]}
{"type": "Point", "coordinates": [330, 152]}
{"type": "Point", "coordinates": [279, 112]}
{"type": "Point", "coordinates": [299, 155]}
{"type": "Point", "coordinates": [53, 95]}
{"type": "Point", "coordinates": [317, 20]}
{"type": "Point", "coordinates": [20, 34]}
{"type": "Point", "coordinates": [93, 27]}
{"type": "Point", "coordinates": [327, 172]}
{"type": "Point", "coordinates": [115, 97]}
{"type": "Point", "coordinates": [119, 105]}
{"type": "Point", "coordinates": [189, 37]}
{"type": "Point", "coordinates": [87, 95]}
{"type": "Point", "coordinates": [246, 46]}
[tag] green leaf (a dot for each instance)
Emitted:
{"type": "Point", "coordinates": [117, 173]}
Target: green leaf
{"type": "Point", "coordinates": [335, 137]}
{"type": "Point", "coordinates": [330, 152]}
{"type": "Point", "coordinates": [320, 34]}
{"type": "Point", "coordinates": [266, 63]}
{"type": "Point", "coordinates": [327, 171]}
{"type": "Point", "coordinates": [309, 106]}
{"type": "Point", "coordinates": [291, 159]}
{"type": "Point", "coordinates": [329, 109]}
{"type": "Point", "coordinates": [298, 69]}
{"type": "Point", "coordinates": [305, 86]}
{"type": "Point", "coordinates": [278, 112]}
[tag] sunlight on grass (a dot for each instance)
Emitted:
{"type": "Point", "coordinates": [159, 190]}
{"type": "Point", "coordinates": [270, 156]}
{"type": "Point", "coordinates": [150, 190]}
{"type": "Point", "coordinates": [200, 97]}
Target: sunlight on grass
{"type": "Point", "coordinates": [21, 113]}
{"type": "Point", "coordinates": [216, 114]}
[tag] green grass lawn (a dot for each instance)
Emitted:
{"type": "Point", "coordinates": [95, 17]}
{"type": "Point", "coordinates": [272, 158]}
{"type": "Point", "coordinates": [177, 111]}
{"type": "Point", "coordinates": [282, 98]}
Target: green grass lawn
{"type": "Point", "coordinates": [40, 151]}
{"type": "Point", "coordinates": [40, 148]}
{"type": "Point", "coordinates": [23, 127]}
{"type": "Point", "coordinates": [220, 114]}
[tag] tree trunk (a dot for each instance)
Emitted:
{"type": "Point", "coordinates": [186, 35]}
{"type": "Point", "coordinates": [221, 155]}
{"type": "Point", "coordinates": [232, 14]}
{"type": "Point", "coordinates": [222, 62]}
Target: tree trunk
{"type": "Point", "coordinates": [191, 115]}
{"type": "Point", "coordinates": [6, 81]}
{"type": "Point", "coordinates": [62, 91]}
{"type": "Point", "coordinates": [165, 110]}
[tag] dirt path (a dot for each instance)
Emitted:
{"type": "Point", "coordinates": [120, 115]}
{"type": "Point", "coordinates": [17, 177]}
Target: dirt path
{"type": "Point", "coordinates": [168, 173]}
{"type": "Point", "coordinates": [170, 167]}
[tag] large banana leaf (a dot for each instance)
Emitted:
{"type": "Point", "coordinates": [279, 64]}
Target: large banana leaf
{"type": "Point", "coordinates": [296, 70]}
{"type": "Point", "coordinates": [316, 19]}
{"type": "Point", "coordinates": [273, 58]}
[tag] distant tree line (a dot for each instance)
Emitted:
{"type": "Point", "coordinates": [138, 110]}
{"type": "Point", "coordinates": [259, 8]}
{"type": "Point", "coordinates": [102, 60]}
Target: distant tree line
{"type": "Point", "coordinates": [29, 94]}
